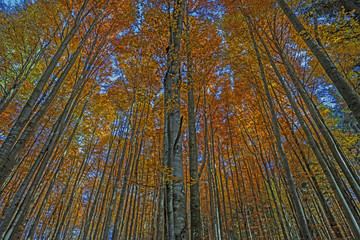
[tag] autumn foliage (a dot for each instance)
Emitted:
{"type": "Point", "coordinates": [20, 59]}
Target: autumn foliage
{"type": "Point", "coordinates": [174, 119]}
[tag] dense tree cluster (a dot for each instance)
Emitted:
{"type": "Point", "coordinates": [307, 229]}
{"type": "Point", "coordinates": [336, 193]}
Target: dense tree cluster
{"type": "Point", "coordinates": [179, 119]}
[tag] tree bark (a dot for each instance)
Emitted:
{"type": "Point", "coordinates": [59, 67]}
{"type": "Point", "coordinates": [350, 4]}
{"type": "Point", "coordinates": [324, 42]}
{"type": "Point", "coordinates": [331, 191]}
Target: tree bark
{"type": "Point", "coordinates": [175, 195]}
{"type": "Point", "coordinates": [344, 88]}
{"type": "Point", "coordinates": [195, 213]}
{"type": "Point", "coordinates": [27, 109]}
{"type": "Point", "coordinates": [303, 225]}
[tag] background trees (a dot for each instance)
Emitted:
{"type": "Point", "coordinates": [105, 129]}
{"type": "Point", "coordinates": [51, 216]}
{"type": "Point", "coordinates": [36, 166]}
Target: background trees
{"type": "Point", "coordinates": [179, 120]}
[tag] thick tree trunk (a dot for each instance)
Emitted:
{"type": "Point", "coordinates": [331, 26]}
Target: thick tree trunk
{"type": "Point", "coordinates": [175, 195]}
{"type": "Point", "coordinates": [346, 91]}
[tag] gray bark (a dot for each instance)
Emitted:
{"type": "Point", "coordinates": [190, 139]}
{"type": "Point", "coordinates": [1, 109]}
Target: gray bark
{"type": "Point", "coordinates": [195, 213]}
{"type": "Point", "coordinates": [10, 156]}
{"type": "Point", "coordinates": [344, 88]}
{"type": "Point", "coordinates": [175, 195]}
{"type": "Point", "coordinates": [301, 218]}
{"type": "Point", "coordinates": [117, 181]}
{"type": "Point", "coordinates": [27, 109]}
{"type": "Point", "coordinates": [342, 202]}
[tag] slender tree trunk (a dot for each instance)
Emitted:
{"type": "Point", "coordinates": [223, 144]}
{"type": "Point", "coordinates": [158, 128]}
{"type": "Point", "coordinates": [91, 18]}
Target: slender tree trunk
{"type": "Point", "coordinates": [116, 184]}
{"type": "Point", "coordinates": [117, 231]}
{"type": "Point", "coordinates": [196, 227]}
{"type": "Point", "coordinates": [102, 179]}
{"type": "Point", "coordinates": [344, 88]}
{"type": "Point", "coordinates": [8, 158]}
{"type": "Point", "coordinates": [27, 109]}
{"type": "Point", "coordinates": [322, 161]}
{"type": "Point", "coordinates": [305, 233]}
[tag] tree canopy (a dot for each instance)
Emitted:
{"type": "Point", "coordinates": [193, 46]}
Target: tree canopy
{"type": "Point", "coordinates": [180, 119]}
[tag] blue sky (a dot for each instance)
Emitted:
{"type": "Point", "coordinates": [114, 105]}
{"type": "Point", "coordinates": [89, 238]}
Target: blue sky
{"type": "Point", "coordinates": [10, 2]}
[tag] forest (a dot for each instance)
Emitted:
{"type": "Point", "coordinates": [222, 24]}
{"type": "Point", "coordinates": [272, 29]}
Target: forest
{"type": "Point", "coordinates": [179, 119]}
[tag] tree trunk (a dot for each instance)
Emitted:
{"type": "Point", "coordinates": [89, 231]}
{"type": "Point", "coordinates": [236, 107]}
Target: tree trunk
{"type": "Point", "coordinates": [322, 161]}
{"type": "Point", "coordinates": [346, 91]}
{"type": "Point", "coordinates": [304, 230]}
{"type": "Point", "coordinates": [195, 214]}
{"type": "Point", "coordinates": [27, 109]}
{"type": "Point", "coordinates": [175, 196]}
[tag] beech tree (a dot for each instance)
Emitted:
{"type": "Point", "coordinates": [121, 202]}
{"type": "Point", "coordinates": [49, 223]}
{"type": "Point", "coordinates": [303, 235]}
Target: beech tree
{"type": "Point", "coordinates": [179, 119]}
